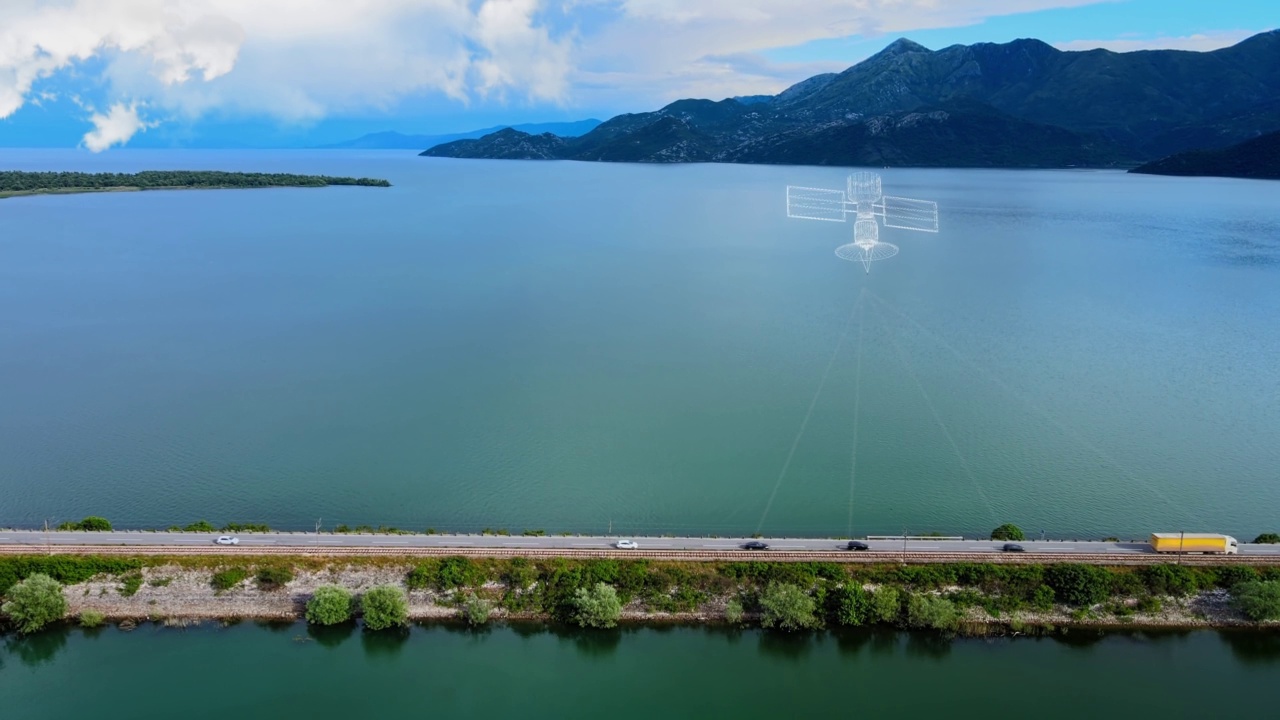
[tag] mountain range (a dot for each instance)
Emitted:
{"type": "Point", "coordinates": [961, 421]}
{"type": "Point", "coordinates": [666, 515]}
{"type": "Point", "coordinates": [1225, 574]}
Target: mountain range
{"type": "Point", "coordinates": [1017, 104]}
{"type": "Point", "coordinates": [401, 141]}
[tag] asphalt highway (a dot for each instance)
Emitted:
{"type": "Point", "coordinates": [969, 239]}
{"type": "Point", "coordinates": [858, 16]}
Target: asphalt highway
{"type": "Point", "coordinates": [329, 540]}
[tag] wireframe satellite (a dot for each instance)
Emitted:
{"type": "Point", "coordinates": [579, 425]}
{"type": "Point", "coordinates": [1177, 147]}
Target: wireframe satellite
{"type": "Point", "coordinates": [863, 198]}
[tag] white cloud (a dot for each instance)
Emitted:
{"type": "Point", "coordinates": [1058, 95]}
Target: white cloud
{"type": "Point", "coordinates": [115, 128]}
{"type": "Point", "coordinates": [292, 59]}
{"type": "Point", "coordinates": [1199, 42]}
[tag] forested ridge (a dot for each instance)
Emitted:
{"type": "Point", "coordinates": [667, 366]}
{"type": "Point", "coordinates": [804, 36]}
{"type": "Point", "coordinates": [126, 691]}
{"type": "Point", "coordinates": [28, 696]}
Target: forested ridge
{"type": "Point", "coordinates": [12, 181]}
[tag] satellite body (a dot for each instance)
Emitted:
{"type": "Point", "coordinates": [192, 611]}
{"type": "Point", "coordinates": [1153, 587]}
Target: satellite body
{"type": "Point", "coordinates": [864, 199]}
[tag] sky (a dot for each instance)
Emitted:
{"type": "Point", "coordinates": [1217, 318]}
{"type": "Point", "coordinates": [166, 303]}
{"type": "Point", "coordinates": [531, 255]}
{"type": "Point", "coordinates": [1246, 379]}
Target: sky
{"type": "Point", "coordinates": [98, 74]}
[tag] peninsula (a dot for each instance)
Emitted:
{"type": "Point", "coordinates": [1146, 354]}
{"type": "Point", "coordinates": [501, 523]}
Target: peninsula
{"type": "Point", "coordinates": [13, 183]}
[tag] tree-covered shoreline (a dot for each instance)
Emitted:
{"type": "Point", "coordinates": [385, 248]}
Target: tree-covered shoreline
{"type": "Point", "coordinates": [15, 182]}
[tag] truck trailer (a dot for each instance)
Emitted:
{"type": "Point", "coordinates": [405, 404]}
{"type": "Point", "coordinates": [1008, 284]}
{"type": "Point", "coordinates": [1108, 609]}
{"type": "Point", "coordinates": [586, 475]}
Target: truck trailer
{"type": "Point", "coordinates": [1207, 543]}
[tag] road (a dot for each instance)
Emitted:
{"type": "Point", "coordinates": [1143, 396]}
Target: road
{"type": "Point", "coordinates": [571, 542]}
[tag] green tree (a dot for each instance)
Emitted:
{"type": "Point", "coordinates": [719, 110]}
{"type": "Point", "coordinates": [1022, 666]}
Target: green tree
{"type": "Point", "coordinates": [200, 526]}
{"type": "Point", "coordinates": [1268, 539]}
{"type": "Point", "coordinates": [385, 606]}
{"type": "Point", "coordinates": [733, 611]}
{"type": "Point", "coordinates": [34, 603]}
{"type": "Point", "coordinates": [1008, 531]}
{"type": "Point", "coordinates": [1169, 579]}
{"type": "Point", "coordinates": [597, 607]}
{"type": "Point", "coordinates": [1258, 600]}
{"type": "Point", "coordinates": [851, 605]}
{"type": "Point", "coordinates": [932, 612]}
{"type": "Point", "coordinates": [787, 607]}
{"type": "Point", "coordinates": [1042, 599]}
{"type": "Point", "coordinates": [1079, 585]}
{"type": "Point", "coordinates": [274, 577]}
{"type": "Point", "coordinates": [330, 605]}
{"type": "Point", "coordinates": [475, 610]}
{"type": "Point", "coordinates": [91, 523]}
{"type": "Point", "coordinates": [886, 604]}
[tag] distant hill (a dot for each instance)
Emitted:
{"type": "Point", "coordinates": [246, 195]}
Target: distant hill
{"type": "Point", "coordinates": [400, 141]}
{"type": "Point", "coordinates": [1017, 104]}
{"type": "Point", "coordinates": [1258, 158]}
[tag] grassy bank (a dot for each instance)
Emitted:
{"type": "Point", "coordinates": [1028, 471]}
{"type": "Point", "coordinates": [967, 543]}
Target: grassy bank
{"type": "Point", "coordinates": [971, 598]}
{"type": "Point", "coordinates": [15, 183]}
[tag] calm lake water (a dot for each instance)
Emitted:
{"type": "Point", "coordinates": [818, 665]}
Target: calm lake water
{"type": "Point", "coordinates": [249, 671]}
{"type": "Point", "coordinates": [569, 345]}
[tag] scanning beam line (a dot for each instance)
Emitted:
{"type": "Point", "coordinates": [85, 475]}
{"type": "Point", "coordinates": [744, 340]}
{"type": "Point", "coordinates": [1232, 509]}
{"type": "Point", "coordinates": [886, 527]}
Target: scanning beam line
{"type": "Point", "coordinates": [857, 399]}
{"type": "Point", "coordinates": [786, 464]}
{"type": "Point", "coordinates": [937, 417]}
{"type": "Point", "coordinates": [1065, 429]}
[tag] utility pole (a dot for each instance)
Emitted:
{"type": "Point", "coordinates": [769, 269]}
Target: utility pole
{"type": "Point", "coordinates": [904, 544]}
{"type": "Point", "coordinates": [318, 525]}
{"type": "Point", "coordinates": [1182, 536]}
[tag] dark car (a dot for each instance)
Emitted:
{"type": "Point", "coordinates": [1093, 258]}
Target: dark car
{"type": "Point", "coordinates": [755, 545]}
{"type": "Point", "coordinates": [856, 545]}
{"type": "Point", "coordinates": [1012, 547]}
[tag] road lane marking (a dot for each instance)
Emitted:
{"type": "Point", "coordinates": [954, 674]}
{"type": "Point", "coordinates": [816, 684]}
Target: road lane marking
{"type": "Point", "coordinates": [594, 544]}
{"type": "Point", "coordinates": [330, 542]}
{"type": "Point", "coordinates": [520, 544]}
{"type": "Point", "coordinates": [720, 546]}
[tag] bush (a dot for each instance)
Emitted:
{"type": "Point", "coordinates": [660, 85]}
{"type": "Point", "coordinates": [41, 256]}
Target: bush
{"type": "Point", "coordinates": [932, 612]}
{"type": "Point", "coordinates": [1079, 585]}
{"type": "Point", "coordinates": [131, 582]}
{"type": "Point", "coordinates": [200, 526]}
{"type": "Point", "coordinates": [733, 611]}
{"type": "Point", "coordinates": [1169, 579]}
{"type": "Point", "coordinates": [475, 610]}
{"type": "Point", "coordinates": [91, 618]}
{"type": "Point", "coordinates": [885, 604]}
{"type": "Point", "coordinates": [786, 607]}
{"type": "Point", "coordinates": [246, 527]}
{"type": "Point", "coordinates": [1268, 539]}
{"type": "Point", "coordinates": [1149, 605]}
{"type": "Point", "coordinates": [66, 569]}
{"type": "Point", "coordinates": [34, 603]}
{"type": "Point", "coordinates": [330, 605]}
{"type": "Point", "coordinates": [1228, 576]}
{"type": "Point", "coordinates": [274, 577]}
{"type": "Point", "coordinates": [1042, 599]}
{"type": "Point", "coordinates": [1008, 531]}
{"type": "Point", "coordinates": [456, 572]}
{"type": "Point", "coordinates": [851, 605]}
{"type": "Point", "coordinates": [229, 578]}
{"type": "Point", "coordinates": [384, 606]}
{"type": "Point", "coordinates": [597, 607]}
{"type": "Point", "coordinates": [1258, 599]}
{"type": "Point", "coordinates": [92, 523]}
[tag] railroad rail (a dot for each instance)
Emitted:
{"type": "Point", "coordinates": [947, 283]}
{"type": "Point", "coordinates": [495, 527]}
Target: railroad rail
{"type": "Point", "coordinates": [872, 557]}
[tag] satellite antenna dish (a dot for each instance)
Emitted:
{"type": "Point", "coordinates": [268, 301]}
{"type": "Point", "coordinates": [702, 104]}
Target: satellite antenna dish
{"type": "Point", "coordinates": [863, 198]}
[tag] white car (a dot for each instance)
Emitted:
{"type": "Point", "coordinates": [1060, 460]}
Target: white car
{"type": "Point", "coordinates": [227, 540]}
{"type": "Point", "coordinates": [627, 545]}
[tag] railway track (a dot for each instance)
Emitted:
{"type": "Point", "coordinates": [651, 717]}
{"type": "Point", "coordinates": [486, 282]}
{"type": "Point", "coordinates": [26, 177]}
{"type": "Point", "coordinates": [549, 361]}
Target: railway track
{"type": "Point", "coordinates": [874, 557]}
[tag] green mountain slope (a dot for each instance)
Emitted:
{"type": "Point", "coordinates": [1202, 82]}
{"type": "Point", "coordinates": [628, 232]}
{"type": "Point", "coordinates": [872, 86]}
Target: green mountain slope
{"type": "Point", "coordinates": [1257, 158]}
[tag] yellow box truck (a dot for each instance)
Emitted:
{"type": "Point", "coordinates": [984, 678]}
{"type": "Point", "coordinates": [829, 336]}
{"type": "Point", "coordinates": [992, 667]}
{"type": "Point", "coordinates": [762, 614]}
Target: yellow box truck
{"type": "Point", "coordinates": [1206, 543]}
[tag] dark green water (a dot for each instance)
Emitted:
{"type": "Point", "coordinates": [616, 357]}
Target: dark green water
{"type": "Point", "coordinates": [253, 672]}
{"type": "Point", "coordinates": [565, 345]}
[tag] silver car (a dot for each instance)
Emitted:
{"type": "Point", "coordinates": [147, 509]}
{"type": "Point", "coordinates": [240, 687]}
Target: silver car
{"type": "Point", "coordinates": [227, 540]}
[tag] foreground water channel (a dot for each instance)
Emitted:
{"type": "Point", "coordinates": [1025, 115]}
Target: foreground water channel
{"type": "Point", "coordinates": [289, 670]}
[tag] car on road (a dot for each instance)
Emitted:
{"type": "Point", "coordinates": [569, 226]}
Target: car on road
{"type": "Point", "coordinates": [226, 540]}
{"type": "Point", "coordinates": [857, 545]}
{"type": "Point", "coordinates": [627, 545]}
{"type": "Point", "coordinates": [1012, 547]}
{"type": "Point", "coordinates": [755, 545]}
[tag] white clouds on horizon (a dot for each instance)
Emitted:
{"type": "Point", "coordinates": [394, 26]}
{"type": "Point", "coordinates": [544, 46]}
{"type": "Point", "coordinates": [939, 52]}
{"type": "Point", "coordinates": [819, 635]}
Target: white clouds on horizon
{"type": "Point", "coordinates": [120, 123]}
{"type": "Point", "coordinates": [1200, 42]}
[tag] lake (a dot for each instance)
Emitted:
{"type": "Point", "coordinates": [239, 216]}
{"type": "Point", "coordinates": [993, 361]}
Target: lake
{"type": "Point", "coordinates": [652, 349]}
{"type": "Point", "coordinates": [288, 671]}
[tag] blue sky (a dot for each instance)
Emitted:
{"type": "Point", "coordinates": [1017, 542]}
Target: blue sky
{"type": "Point", "coordinates": [295, 73]}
